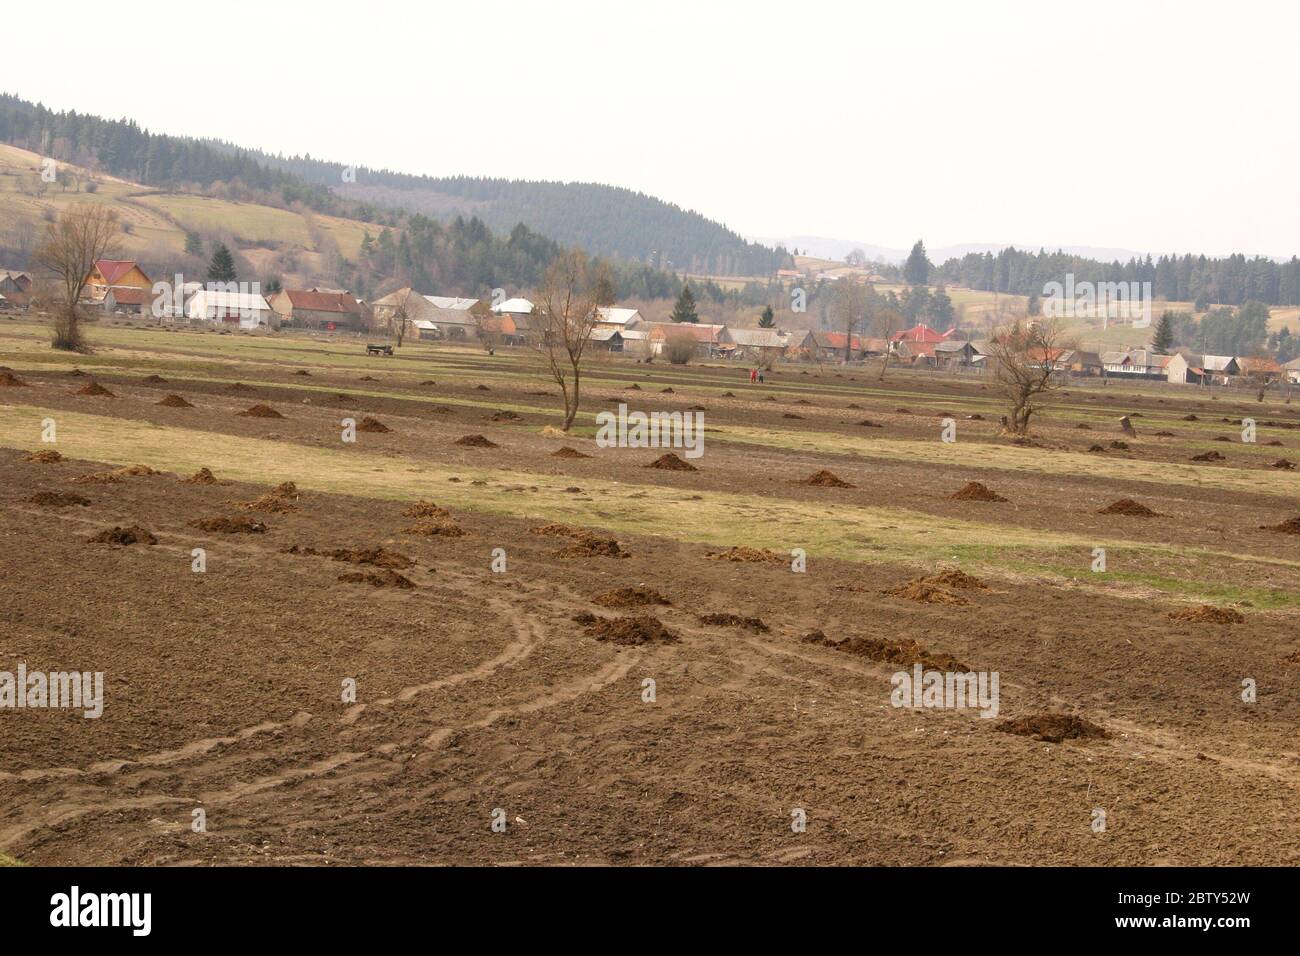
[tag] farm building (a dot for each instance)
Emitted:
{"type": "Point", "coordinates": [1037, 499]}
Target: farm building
{"type": "Point", "coordinates": [106, 274]}
{"type": "Point", "coordinates": [303, 309]}
{"type": "Point", "coordinates": [1292, 370]}
{"type": "Point", "coordinates": [608, 317]}
{"type": "Point", "coordinates": [15, 288]}
{"type": "Point", "coordinates": [607, 340]}
{"type": "Point", "coordinates": [760, 345]}
{"type": "Point", "coordinates": [245, 310]}
{"type": "Point", "coordinates": [128, 299]}
{"type": "Point", "coordinates": [710, 340]}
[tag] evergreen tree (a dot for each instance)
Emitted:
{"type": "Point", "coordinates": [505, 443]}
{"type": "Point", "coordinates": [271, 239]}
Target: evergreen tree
{"type": "Point", "coordinates": [222, 267]}
{"type": "Point", "coordinates": [768, 319]}
{"type": "Point", "coordinates": [1163, 340]}
{"type": "Point", "coordinates": [684, 310]}
{"type": "Point", "coordinates": [917, 269]}
{"type": "Point", "coordinates": [193, 244]}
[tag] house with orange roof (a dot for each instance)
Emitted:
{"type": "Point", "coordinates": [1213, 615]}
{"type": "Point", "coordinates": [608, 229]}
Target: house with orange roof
{"type": "Point", "coordinates": [108, 274]}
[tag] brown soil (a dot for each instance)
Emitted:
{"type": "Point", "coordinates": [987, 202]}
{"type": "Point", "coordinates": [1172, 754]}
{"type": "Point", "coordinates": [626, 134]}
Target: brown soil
{"type": "Point", "coordinates": [9, 380]}
{"type": "Point", "coordinates": [175, 401]}
{"type": "Point", "coordinates": [271, 504]}
{"type": "Point", "coordinates": [124, 536]}
{"type": "Point", "coordinates": [1053, 728]}
{"type": "Point", "coordinates": [953, 578]}
{"type": "Point", "coordinates": [868, 423]}
{"type": "Point", "coordinates": [475, 441]}
{"type": "Point", "coordinates": [1119, 445]}
{"type": "Point", "coordinates": [926, 593]}
{"type": "Point", "coordinates": [481, 388]}
{"type": "Point", "coordinates": [744, 555]}
{"type": "Point", "coordinates": [239, 387]}
{"type": "Point", "coordinates": [383, 578]}
{"type": "Point", "coordinates": [229, 525]}
{"type": "Point", "coordinates": [372, 425]}
{"type": "Point", "coordinates": [826, 479]}
{"type": "Point", "coordinates": [593, 547]}
{"type": "Point", "coordinates": [260, 411]}
{"type": "Point", "coordinates": [1283, 464]}
{"type": "Point", "coordinates": [1289, 526]}
{"type": "Point", "coordinates": [1097, 449]}
{"type": "Point", "coordinates": [94, 388]}
{"type": "Point", "coordinates": [904, 652]}
{"type": "Point", "coordinates": [567, 452]}
{"type": "Point", "coordinates": [1083, 426]}
{"type": "Point", "coordinates": [976, 491]}
{"type": "Point", "coordinates": [99, 478]}
{"type": "Point", "coordinates": [436, 528]}
{"type": "Point", "coordinates": [58, 499]}
{"type": "Point", "coordinates": [49, 457]}
{"type": "Point", "coordinates": [303, 372]}
{"type": "Point", "coordinates": [1208, 614]}
{"type": "Point", "coordinates": [631, 597]}
{"type": "Point", "coordinates": [506, 416]}
{"type": "Point", "coordinates": [378, 557]}
{"type": "Point", "coordinates": [668, 391]}
{"type": "Point", "coordinates": [153, 380]}
{"type": "Point", "coordinates": [203, 476]}
{"type": "Point", "coordinates": [1127, 506]}
{"type": "Point", "coordinates": [425, 509]}
{"type": "Point", "coordinates": [135, 471]}
{"type": "Point", "coordinates": [1210, 456]}
{"type": "Point", "coordinates": [671, 462]}
{"type": "Point", "coordinates": [735, 620]}
{"type": "Point", "coordinates": [1190, 418]}
{"type": "Point", "coordinates": [631, 631]}
{"type": "Point", "coordinates": [792, 415]}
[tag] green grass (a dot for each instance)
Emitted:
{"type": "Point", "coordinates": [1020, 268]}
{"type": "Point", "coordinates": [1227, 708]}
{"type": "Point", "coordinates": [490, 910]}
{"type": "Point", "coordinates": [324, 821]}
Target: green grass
{"type": "Point", "coordinates": [7, 860]}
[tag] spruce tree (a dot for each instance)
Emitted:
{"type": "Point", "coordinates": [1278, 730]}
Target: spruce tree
{"type": "Point", "coordinates": [768, 319]}
{"type": "Point", "coordinates": [1164, 337]}
{"type": "Point", "coordinates": [193, 244]}
{"type": "Point", "coordinates": [917, 269]}
{"type": "Point", "coordinates": [684, 310]}
{"type": "Point", "coordinates": [222, 267]}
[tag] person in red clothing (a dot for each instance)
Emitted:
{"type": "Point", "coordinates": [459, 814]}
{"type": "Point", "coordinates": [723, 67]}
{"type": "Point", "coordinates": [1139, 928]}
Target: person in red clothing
{"type": "Point", "coordinates": [753, 376]}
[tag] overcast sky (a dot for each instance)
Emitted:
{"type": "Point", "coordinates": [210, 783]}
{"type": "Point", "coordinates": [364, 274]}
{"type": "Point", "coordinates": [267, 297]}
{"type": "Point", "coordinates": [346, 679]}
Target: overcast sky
{"type": "Point", "coordinates": [1142, 124]}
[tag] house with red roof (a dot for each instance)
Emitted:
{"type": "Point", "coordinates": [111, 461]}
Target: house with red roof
{"type": "Point", "coordinates": [108, 274]}
{"type": "Point", "coordinates": [922, 334]}
{"type": "Point", "coordinates": [318, 309]}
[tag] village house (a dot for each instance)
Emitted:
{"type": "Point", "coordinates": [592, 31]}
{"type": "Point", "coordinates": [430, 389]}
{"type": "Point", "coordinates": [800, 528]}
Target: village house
{"type": "Point", "coordinates": [243, 310]}
{"type": "Point", "coordinates": [763, 346]}
{"type": "Point", "coordinates": [1292, 370]}
{"type": "Point", "coordinates": [15, 288]}
{"type": "Point", "coordinates": [607, 340]}
{"type": "Point", "coordinates": [608, 317]}
{"type": "Point", "coordinates": [329, 311]}
{"type": "Point", "coordinates": [129, 300]}
{"type": "Point", "coordinates": [1261, 370]}
{"type": "Point", "coordinates": [107, 274]}
{"type": "Point", "coordinates": [710, 340]}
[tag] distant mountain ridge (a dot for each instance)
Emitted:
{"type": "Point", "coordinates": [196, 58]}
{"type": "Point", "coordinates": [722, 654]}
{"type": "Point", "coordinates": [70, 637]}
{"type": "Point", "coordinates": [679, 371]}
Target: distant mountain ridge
{"type": "Point", "coordinates": [827, 248]}
{"type": "Point", "coordinates": [604, 220]}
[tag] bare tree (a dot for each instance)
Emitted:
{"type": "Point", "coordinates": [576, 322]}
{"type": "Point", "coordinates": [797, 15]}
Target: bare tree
{"type": "Point", "coordinates": [1026, 357]}
{"type": "Point", "coordinates": [401, 317]}
{"type": "Point", "coordinates": [84, 234]}
{"type": "Point", "coordinates": [849, 307]}
{"type": "Point", "coordinates": [566, 317]}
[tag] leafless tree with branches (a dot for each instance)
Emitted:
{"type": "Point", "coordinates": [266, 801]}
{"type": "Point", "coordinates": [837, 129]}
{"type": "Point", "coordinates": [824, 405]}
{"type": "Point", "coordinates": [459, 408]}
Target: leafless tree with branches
{"type": "Point", "coordinates": [84, 234]}
{"type": "Point", "coordinates": [566, 317]}
{"type": "Point", "coordinates": [1026, 357]}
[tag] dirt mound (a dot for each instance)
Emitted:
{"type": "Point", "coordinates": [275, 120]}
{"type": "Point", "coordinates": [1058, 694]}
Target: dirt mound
{"type": "Point", "coordinates": [671, 462]}
{"type": "Point", "coordinates": [481, 388]}
{"type": "Point", "coordinates": [94, 388]}
{"type": "Point", "coordinates": [153, 380]}
{"type": "Point", "coordinates": [260, 411]}
{"type": "Point", "coordinates": [1119, 445]}
{"type": "Point", "coordinates": [229, 525]}
{"type": "Point", "coordinates": [201, 477]}
{"type": "Point", "coordinates": [99, 478]}
{"type": "Point", "coordinates": [367, 378]}
{"type": "Point", "coordinates": [383, 578]}
{"type": "Point", "coordinates": [633, 388]}
{"type": "Point", "coordinates": [1164, 434]}
{"type": "Point", "coordinates": [239, 387]}
{"type": "Point", "coordinates": [271, 504]}
{"type": "Point", "coordinates": [728, 394]}
{"type": "Point", "coordinates": [135, 471]}
{"type": "Point", "coordinates": [1208, 614]}
{"type": "Point", "coordinates": [1190, 418]}
{"type": "Point", "coordinates": [905, 652]}
{"type": "Point", "coordinates": [567, 452]}
{"type": "Point", "coordinates": [372, 425]}
{"type": "Point", "coordinates": [1097, 449]}
{"type": "Point", "coordinates": [953, 578]}
{"type": "Point", "coordinates": [735, 620]}
{"type": "Point", "coordinates": [1127, 506]}
{"type": "Point", "coordinates": [1083, 426]}
{"type": "Point", "coordinates": [631, 597]}
{"type": "Point", "coordinates": [560, 531]}
{"type": "Point", "coordinates": [793, 415]}
{"type": "Point", "coordinates": [57, 499]}
{"type": "Point", "coordinates": [868, 423]}
{"type": "Point", "coordinates": [378, 557]}
{"type": "Point", "coordinates": [436, 528]}
{"type": "Point", "coordinates": [668, 391]}
{"type": "Point", "coordinates": [124, 536]}
{"type": "Point", "coordinates": [1283, 464]}
{"type": "Point", "coordinates": [927, 593]}
{"type": "Point", "coordinates": [631, 631]}
{"type": "Point", "coordinates": [175, 401]}
{"type": "Point", "coordinates": [10, 380]}
{"type": "Point", "coordinates": [475, 441]}
{"type": "Point", "coordinates": [425, 509]}
{"type": "Point", "coordinates": [1210, 456]}
{"type": "Point", "coordinates": [976, 491]}
{"type": "Point", "coordinates": [593, 547]}
{"type": "Point", "coordinates": [1289, 526]}
{"type": "Point", "coordinates": [506, 416]}
{"type": "Point", "coordinates": [826, 479]}
{"type": "Point", "coordinates": [1053, 728]}
{"type": "Point", "coordinates": [744, 555]}
{"type": "Point", "coordinates": [303, 371]}
{"type": "Point", "coordinates": [49, 457]}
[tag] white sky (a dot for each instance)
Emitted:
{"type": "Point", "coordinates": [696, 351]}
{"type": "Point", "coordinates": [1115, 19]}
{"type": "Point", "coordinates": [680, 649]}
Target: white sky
{"type": "Point", "coordinates": [1162, 125]}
